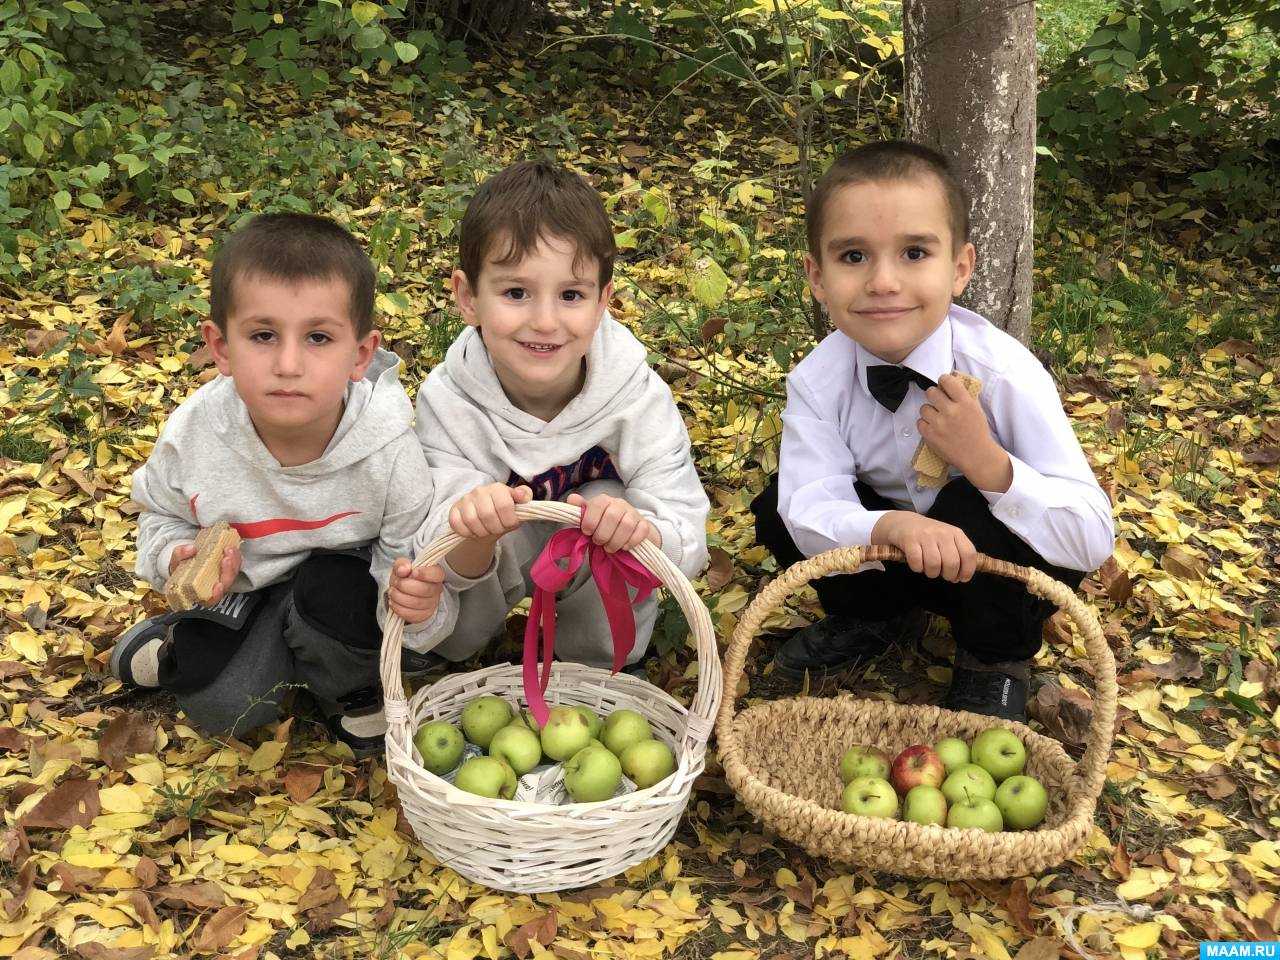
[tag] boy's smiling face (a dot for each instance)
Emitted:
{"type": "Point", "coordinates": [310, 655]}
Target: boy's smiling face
{"type": "Point", "coordinates": [291, 349]}
{"type": "Point", "coordinates": [537, 316]}
{"type": "Point", "coordinates": [888, 266]}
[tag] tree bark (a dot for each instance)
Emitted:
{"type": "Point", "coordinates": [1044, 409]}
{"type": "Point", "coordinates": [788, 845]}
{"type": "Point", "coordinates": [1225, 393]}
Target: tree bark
{"type": "Point", "coordinates": [971, 93]}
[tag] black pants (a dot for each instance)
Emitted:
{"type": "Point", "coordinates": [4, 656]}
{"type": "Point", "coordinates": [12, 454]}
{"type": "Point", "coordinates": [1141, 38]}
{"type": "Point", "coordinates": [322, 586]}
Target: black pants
{"type": "Point", "coordinates": [992, 617]}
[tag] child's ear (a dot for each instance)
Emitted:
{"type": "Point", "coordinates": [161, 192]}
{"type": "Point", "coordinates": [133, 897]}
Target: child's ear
{"type": "Point", "coordinates": [813, 270]}
{"type": "Point", "coordinates": [366, 347]}
{"type": "Point", "coordinates": [964, 269]}
{"type": "Point", "coordinates": [216, 341]}
{"type": "Point", "coordinates": [605, 296]}
{"type": "Point", "coordinates": [465, 297]}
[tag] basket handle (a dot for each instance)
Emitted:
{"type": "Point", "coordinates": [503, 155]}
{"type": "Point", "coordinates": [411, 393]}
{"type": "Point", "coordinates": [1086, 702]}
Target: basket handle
{"type": "Point", "coordinates": [1091, 768]}
{"type": "Point", "coordinates": [701, 710]}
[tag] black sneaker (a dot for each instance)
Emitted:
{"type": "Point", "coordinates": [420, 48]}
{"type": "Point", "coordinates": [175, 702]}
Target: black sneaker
{"type": "Point", "coordinates": [838, 643]}
{"type": "Point", "coordinates": [136, 656]}
{"type": "Point", "coordinates": [992, 689]}
{"type": "Point", "coordinates": [415, 665]}
{"type": "Point", "coordinates": [358, 721]}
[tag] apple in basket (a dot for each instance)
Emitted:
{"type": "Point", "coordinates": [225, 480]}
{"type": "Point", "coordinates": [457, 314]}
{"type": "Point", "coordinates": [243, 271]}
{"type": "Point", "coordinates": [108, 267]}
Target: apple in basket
{"type": "Point", "coordinates": [1022, 801]}
{"type": "Point", "coordinates": [953, 752]}
{"type": "Point", "coordinates": [924, 805]}
{"type": "Point", "coordinates": [968, 781]}
{"type": "Point", "coordinates": [623, 728]}
{"type": "Point", "coordinates": [916, 766]}
{"type": "Point", "coordinates": [487, 777]}
{"type": "Point", "coordinates": [592, 774]}
{"type": "Point", "coordinates": [440, 745]}
{"type": "Point", "coordinates": [565, 733]}
{"type": "Point", "coordinates": [861, 760]}
{"type": "Point", "coordinates": [975, 813]}
{"type": "Point", "coordinates": [593, 721]}
{"type": "Point", "coordinates": [999, 752]}
{"type": "Point", "coordinates": [518, 746]}
{"type": "Point", "coordinates": [483, 717]}
{"type": "Point", "coordinates": [648, 762]}
{"type": "Point", "coordinates": [870, 797]}
{"type": "Point", "coordinates": [526, 719]}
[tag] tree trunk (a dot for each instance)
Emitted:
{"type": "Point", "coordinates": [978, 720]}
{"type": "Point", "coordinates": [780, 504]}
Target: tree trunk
{"type": "Point", "coordinates": [971, 93]}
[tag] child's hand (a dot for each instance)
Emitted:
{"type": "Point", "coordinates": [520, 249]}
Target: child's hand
{"type": "Point", "coordinates": [414, 592]}
{"type": "Point", "coordinates": [953, 425]}
{"type": "Point", "coordinates": [613, 523]}
{"type": "Point", "coordinates": [931, 547]}
{"type": "Point", "coordinates": [487, 512]}
{"type": "Point", "coordinates": [226, 576]}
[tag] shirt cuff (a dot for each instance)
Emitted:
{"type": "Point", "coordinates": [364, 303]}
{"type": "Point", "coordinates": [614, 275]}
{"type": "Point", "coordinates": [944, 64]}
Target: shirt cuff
{"type": "Point", "coordinates": [1018, 508]}
{"type": "Point", "coordinates": [452, 578]}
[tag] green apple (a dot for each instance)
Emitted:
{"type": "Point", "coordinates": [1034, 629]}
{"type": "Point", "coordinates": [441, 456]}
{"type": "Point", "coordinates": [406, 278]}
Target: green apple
{"type": "Point", "coordinates": [968, 782]}
{"type": "Point", "coordinates": [1022, 801]}
{"type": "Point", "coordinates": [440, 745]}
{"type": "Point", "coordinates": [978, 813]}
{"type": "Point", "coordinates": [593, 720]}
{"type": "Point", "coordinates": [870, 797]}
{"type": "Point", "coordinates": [519, 746]}
{"type": "Point", "coordinates": [483, 717]}
{"type": "Point", "coordinates": [863, 761]}
{"type": "Point", "coordinates": [648, 762]}
{"type": "Point", "coordinates": [623, 728]}
{"type": "Point", "coordinates": [953, 752]}
{"type": "Point", "coordinates": [924, 804]}
{"type": "Point", "coordinates": [526, 719]}
{"type": "Point", "coordinates": [566, 732]}
{"type": "Point", "coordinates": [999, 752]}
{"type": "Point", "coordinates": [487, 777]}
{"type": "Point", "coordinates": [592, 774]}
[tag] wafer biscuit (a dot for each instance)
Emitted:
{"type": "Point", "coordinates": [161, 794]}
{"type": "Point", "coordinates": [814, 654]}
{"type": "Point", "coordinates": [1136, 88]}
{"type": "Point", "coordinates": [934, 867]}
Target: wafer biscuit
{"type": "Point", "coordinates": [931, 469]}
{"type": "Point", "coordinates": [193, 582]}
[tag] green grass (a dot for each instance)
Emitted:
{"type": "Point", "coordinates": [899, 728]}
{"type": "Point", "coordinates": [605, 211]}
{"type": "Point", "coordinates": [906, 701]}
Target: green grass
{"type": "Point", "coordinates": [1062, 27]}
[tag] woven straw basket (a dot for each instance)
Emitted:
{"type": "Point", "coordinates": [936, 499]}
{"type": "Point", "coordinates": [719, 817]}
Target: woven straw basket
{"type": "Point", "coordinates": [782, 757]}
{"type": "Point", "coordinates": [538, 847]}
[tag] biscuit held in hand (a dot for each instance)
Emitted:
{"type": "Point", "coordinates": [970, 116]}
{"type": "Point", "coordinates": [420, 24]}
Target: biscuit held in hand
{"type": "Point", "coordinates": [193, 582]}
{"type": "Point", "coordinates": [931, 469]}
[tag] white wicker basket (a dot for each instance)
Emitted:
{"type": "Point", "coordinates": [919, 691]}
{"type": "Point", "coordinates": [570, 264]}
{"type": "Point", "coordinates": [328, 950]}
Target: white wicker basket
{"type": "Point", "coordinates": [537, 847]}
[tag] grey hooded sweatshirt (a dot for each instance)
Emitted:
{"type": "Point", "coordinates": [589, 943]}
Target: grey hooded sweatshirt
{"type": "Point", "coordinates": [623, 426]}
{"type": "Point", "coordinates": [370, 487]}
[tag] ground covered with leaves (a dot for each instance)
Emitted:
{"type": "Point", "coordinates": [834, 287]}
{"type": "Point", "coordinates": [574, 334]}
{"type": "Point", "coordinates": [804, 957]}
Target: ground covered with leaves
{"type": "Point", "coordinates": [129, 835]}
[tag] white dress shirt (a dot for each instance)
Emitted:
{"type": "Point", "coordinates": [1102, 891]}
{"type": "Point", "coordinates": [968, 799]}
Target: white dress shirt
{"type": "Point", "coordinates": [834, 432]}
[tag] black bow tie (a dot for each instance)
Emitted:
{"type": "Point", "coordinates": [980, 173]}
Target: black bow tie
{"type": "Point", "coordinates": [888, 383]}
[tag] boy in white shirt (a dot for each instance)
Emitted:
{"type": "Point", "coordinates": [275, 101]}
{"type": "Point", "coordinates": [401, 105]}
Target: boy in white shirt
{"type": "Point", "coordinates": [888, 229]}
{"type": "Point", "coordinates": [545, 396]}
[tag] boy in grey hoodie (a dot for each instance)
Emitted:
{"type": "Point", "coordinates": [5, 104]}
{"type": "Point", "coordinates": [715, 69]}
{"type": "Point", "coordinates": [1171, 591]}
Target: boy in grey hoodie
{"type": "Point", "coordinates": [305, 447]}
{"type": "Point", "coordinates": [546, 397]}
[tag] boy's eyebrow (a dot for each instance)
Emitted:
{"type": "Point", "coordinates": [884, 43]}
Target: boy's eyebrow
{"type": "Point", "coordinates": [499, 276]}
{"type": "Point", "coordinates": [922, 238]}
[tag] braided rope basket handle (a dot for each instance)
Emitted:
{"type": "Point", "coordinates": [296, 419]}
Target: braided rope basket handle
{"type": "Point", "coordinates": [1091, 768]}
{"type": "Point", "coordinates": [703, 707]}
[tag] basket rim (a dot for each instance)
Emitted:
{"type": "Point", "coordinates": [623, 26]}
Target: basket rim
{"type": "Point", "coordinates": [685, 754]}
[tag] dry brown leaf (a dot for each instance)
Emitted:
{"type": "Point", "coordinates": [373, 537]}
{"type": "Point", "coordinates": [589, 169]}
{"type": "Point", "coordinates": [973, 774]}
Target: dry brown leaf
{"type": "Point", "coordinates": [1183, 564]}
{"type": "Point", "coordinates": [322, 889]}
{"type": "Point", "coordinates": [200, 895]}
{"type": "Point", "coordinates": [712, 328]}
{"type": "Point", "coordinates": [219, 930]}
{"type": "Point", "coordinates": [40, 342]}
{"type": "Point", "coordinates": [541, 930]}
{"type": "Point", "coordinates": [1065, 712]}
{"type": "Point", "coordinates": [100, 951]}
{"type": "Point", "coordinates": [25, 882]}
{"type": "Point", "coordinates": [13, 740]}
{"type": "Point", "coordinates": [1267, 455]}
{"type": "Point", "coordinates": [1183, 665]}
{"type": "Point", "coordinates": [128, 734]}
{"type": "Point", "coordinates": [1041, 948]}
{"type": "Point", "coordinates": [72, 803]}
{"type": "Point", "coordinates": [144, 909]}
{"type": "Point", "coordinates": [1116, 582]}
{"type": "Point", "coordinates": [1120, 862]}
{"type": "Point", "coordinates": [388, 909]}
{"type": "Point", "coordinates": [75, 879]}
{"type": "Point", "coordinates": [1018, 904]}
{"type": "Point", "coordinates": [720, 570]}
{"type": "Point", "coordinates": [302, 782]}
{"type": "Point", "coordinates": [146, 871]}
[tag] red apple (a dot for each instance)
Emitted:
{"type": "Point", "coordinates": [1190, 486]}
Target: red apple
{"type": "Point", "coordinates": [918, 765]}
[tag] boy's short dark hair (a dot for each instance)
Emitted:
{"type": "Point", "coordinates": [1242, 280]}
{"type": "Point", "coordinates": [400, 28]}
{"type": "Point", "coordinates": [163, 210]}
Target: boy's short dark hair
{"type": "Point", "coordinates": [877, 163]}
{"type": "Point", "coordinates": [293, 247]}
{"type": "Point", "coordinates": [526, 202]}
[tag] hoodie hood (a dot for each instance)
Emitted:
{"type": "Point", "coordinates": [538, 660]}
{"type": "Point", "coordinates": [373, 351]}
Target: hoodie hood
{"type": "Point", "coordinates": [377, 403]}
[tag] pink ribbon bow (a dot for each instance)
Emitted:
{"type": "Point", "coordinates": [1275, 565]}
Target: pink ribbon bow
{"type": "Point", "coordinates": [613, 574]}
